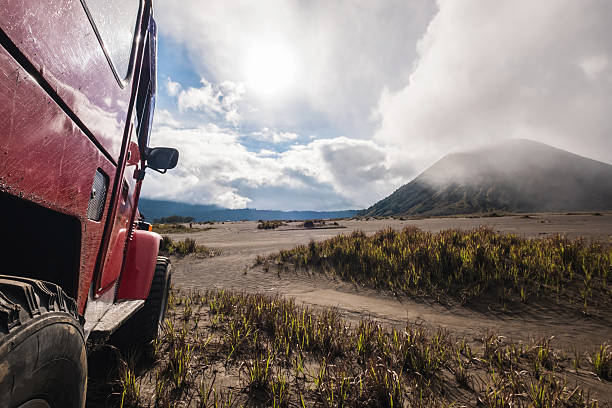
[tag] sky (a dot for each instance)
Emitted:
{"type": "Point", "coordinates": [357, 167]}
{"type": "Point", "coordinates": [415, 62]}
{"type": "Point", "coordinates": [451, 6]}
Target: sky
{"type": "Point", "coordinates": [328, 105]}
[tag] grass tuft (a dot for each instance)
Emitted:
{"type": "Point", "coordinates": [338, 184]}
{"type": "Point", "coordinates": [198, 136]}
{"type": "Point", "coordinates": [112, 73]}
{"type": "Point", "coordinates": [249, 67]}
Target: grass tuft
{"type": "Point", "coordinates": [238, 349]}
{"type": "Point", "coordinates": [602, 361]}
{"type": "Point", "coordinates": [464, 265]}
{"type": "Point", "coordinates": [269, 224]}
{"type": "Point", "coordinates": [185, 247]}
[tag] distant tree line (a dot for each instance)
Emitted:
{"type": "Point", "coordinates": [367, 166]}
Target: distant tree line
{"type": "Point", "coordinates": [173, 219]}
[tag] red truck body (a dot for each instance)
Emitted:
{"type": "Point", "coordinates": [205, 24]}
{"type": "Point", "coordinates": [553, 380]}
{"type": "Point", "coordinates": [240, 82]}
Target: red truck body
{"type": "Point", "coordinates": [74, 128]}
{"type": "Point", "coordinates": [77, 95]}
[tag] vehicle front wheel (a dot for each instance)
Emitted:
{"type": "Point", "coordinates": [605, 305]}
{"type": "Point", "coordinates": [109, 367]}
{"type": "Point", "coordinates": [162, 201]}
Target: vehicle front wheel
{"type": "Point", "coordinates": [43, 361]}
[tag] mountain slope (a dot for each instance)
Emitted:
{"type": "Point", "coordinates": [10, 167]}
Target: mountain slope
{"type": "Point", "coordinates": [515, 176]}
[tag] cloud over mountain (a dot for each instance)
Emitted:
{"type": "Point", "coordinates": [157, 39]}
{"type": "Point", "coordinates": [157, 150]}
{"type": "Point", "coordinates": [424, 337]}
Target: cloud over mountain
{"type": "Point", "coordinates": [491, 70]}
{"type": "Point", "coordinates": [511, 176]}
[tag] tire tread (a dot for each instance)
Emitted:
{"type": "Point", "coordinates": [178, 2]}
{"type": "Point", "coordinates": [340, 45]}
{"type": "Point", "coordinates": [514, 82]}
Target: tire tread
{"type": "Point", "coordinates": [22, 299]}
{"type": "Point", "coordinates": [42, 345]}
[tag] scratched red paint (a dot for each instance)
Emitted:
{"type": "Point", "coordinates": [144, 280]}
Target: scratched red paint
{"type": "Point", "coordinates": [47, 157]}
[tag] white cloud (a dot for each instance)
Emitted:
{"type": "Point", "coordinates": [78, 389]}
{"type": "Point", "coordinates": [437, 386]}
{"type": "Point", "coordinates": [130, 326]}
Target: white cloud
{"type": "Point", "coordinates": [330, 59]}
{"type": "Point", "coordinates": [272, 136]}
{"type": "Point", "coordinates": [215, 168]}
{"type": "Point", "coordinates": [210, 158]}
{"type": "Point", "coordinates": [215, 101]}
{"type": "Point", "coordinates": [490, 70]}
{"type": "Point", "coordinates": [267, 152]}
{"type": "Point", "coordinates": [594, 65]}
{"type": "Point", "coordinates": [356, 169]}
{"type": "Point", "coordinates": [172, 87]}
{"type": "Point", "coordinates": [163, 117]}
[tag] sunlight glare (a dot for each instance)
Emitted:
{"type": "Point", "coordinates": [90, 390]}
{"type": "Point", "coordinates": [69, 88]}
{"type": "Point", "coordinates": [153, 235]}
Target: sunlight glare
{"type": "Point", "coordinates": [270, 69]}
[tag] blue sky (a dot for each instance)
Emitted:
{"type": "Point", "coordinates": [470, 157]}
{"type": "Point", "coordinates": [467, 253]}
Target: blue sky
{"type": "Point", "coordinates": [330, 105]}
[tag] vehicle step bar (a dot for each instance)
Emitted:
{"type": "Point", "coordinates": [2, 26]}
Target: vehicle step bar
{"type": "Point", "coordinates": [116, 315]}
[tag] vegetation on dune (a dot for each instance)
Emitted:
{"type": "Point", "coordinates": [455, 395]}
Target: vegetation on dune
{"type": "Point", "coordinates": [185, 247]}
{"type": "Point", "coordinates": [273, 224]}
{"type": "Point", "coordinates": [462, 264]}
{"type": "Point", "coordinates": [602, 362]}
{"type": "Point", "coordinates": [230, 349]}
{"type": "Point", "coordinates": [176, 229]}
{"type": "Point", "coordinates": [319, 224]}
{"type": "Point", "coordinates": [306, 224]}
{"type": "Point", "coordinates": [173, 219]}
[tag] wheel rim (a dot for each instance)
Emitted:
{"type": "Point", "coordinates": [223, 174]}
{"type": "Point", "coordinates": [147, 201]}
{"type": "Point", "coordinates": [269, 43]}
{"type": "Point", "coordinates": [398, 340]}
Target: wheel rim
{"type": "Point", "coordinates": [35, 403]}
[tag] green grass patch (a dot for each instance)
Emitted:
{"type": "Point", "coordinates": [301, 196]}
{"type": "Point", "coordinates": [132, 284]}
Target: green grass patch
{"type": "Point", "coordinates": [465, 265]}
{"type": "Point", "coordinates": [320, 224]}
{"type": "Point", "coordinates": [271, 224]}
{"type": "Point", "coordinates": [230, 349]}
{"type": "Point", "coordinates": [185, 247]}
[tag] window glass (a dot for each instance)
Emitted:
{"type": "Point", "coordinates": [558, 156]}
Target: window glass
{"type": "Point", "coordinates": [116, 23]}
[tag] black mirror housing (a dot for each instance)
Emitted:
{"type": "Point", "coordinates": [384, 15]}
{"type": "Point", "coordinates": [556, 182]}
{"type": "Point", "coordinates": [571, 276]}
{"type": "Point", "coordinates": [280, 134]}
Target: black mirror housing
{"type": "Point", "coordinates": [162, 158]}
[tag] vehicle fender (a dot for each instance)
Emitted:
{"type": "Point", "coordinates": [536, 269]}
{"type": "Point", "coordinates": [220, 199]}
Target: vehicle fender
{"type": "Point", "coordinates": [139, 266]}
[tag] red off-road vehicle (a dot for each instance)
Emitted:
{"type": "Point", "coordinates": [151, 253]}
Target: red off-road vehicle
{"type": "Point", "coordinates": [77, 94]}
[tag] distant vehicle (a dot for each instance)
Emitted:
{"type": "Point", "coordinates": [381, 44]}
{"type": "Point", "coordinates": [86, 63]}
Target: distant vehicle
{"type": "Point", "coordinates": [77, 95]}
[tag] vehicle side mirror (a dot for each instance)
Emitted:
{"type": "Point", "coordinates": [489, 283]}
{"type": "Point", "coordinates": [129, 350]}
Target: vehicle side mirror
{"type": "Point", "coordinates": [162, 158]}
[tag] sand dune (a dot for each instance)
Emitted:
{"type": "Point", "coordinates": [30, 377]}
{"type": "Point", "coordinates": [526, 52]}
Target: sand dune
{"type": "Point", "coordinates": [241, 242]}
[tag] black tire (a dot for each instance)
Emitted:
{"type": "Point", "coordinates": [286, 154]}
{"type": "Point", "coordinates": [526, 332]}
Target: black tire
{"type": "Point", "coordinates": [43, 360]}
{"type": "Point", "coordinates": [142, 328]}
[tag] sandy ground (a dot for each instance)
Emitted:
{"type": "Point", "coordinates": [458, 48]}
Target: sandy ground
{"type": "Point", "coordinates": [241, 242]}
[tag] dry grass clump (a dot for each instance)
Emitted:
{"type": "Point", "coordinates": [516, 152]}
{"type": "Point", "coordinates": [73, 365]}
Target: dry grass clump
{"type": "Point", "coordinates": [308, 224]}
{"type": "Point", "coordinates": [462, 264]}
{"type": "Point", "coordinates": [269, 224]}
{"type": "Point", "coordinates": [320, 224]}
{"type": "Point", "coordinates": [230, 349]}
{"type": "Point", "coordinates": [185, 247]}
{"type": "Point", "coordinates": [602, 361]}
